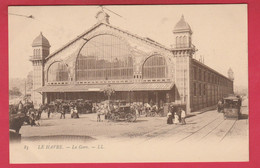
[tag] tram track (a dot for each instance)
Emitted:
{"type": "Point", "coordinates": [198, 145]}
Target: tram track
{"type": "Point", "coordinates": [217, 134]}
{"type": "Point", "coordinates": [212, 121]}
{"type": "Point", "coordinates": [180, 128]}
{"type": "Point", "coordinates": [212, 130]}
{"type": "Point", "coordinates": [228, 131]}
{"type": "Point", "coordinates": [177, 126]}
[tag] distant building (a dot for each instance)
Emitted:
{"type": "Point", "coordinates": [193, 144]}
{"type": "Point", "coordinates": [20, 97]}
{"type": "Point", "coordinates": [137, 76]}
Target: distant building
{"type": "Point", "coordinates": [138, 69]}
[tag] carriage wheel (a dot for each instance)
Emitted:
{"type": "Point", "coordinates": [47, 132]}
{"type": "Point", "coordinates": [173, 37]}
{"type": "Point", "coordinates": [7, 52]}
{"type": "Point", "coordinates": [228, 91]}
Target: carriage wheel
{"type": "Point", "coordinates": [133, 118]}
{"type": "Point", "coordinates": [115, 117]}
{"type": "Point", "coordinates": [130, 117]}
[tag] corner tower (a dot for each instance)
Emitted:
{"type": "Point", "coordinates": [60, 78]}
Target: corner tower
{"type": "Point", "coordinates": [182, 51]}
{"type": "Point", "coordinates": [182, 35]}
{"type": "Point", "coordinates": [41, 49]}
{"type": "Point", "coordinates": [230, 74]}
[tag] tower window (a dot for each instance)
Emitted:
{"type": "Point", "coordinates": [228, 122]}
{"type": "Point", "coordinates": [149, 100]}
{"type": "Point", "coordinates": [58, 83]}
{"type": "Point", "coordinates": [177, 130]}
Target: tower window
{"type": "Point", "coordinates": [184, 42]}
{"type": "Point", "coordinates": [177, 42]}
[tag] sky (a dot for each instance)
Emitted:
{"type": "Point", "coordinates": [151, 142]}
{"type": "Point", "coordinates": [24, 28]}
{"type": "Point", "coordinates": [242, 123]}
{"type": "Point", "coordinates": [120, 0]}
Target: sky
{"type": "Point", "coordinates": [219, 31]}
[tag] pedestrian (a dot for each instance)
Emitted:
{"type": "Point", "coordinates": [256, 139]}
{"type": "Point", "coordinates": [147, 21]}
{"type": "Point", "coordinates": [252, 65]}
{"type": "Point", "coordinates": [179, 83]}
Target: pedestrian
{"type": "Point", "coordinates": [169, 118]}
{"type": "Point", "coordinates": [176, 118]}
{"type": "Point", "coordinates": [98, 116]}
{"type": "Point", "coordinates": [76, 112]}
{"type": "Point", "coordinates": [219, 106]}
{"type": "Point", "coordinates": [20, 106]}
{"type": "Point", "coordinates": [62, 114]}
{"type": "Point", "coordinates": [183, 116]}
{"type": "Point", "coordinates": [71, 111]}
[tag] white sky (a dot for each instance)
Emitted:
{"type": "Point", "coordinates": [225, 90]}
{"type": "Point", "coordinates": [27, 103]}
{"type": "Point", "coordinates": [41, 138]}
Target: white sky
{"type": "Point", "coordinates": [219, 31]}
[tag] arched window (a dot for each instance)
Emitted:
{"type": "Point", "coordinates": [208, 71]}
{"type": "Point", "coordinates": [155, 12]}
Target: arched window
{"type": "Point", "coordinates": [104, 57]}
{"type": "Point", "coordinates": [58, 72]}
{"type": "Point", "coordinates": [177, 42]}
{"type": "Point", "coordinates": [155, 67]}
{"type": "Point", "coordinates": [184, 44]}
{"type": "Point", "coordinates": [180, 41]}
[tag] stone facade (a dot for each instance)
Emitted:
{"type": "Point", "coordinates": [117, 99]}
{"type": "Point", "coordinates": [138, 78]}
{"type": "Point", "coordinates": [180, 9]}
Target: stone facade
{"type": "Point", "coordinates": [186, 75]}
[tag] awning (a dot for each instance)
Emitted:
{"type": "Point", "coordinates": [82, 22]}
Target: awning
{"type": "Point", "coordinates": [116, 87]}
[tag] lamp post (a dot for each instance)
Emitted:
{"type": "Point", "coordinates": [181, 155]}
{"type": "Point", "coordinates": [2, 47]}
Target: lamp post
{"type": "Point", "coordinates": [108, 91]}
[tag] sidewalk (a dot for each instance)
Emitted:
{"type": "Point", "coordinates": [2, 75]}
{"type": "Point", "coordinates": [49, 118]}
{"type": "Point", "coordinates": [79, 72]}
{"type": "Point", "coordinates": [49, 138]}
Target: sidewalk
{"type": "Point", "coordinates": [191, 114]}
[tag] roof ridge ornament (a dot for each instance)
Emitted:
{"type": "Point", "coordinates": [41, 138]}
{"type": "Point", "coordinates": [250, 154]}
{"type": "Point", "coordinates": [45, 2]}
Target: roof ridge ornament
{"type": "Point", "coordinates": [102, 16]}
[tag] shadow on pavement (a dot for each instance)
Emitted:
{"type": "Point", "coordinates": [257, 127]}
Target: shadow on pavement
{"type": "Point", "coordinates": [137, 121]}
{"type": "Point", "coordinates": [187, 123]}
{"type": "Point", "coordinates": [59, 138]}
{"type": "Point", "coordinates": [243, 117]}
{"type": "Point", "coordinates": [190, 115]}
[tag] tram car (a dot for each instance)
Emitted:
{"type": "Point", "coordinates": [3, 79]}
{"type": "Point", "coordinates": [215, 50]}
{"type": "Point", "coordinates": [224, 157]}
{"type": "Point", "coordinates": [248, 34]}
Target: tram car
{"type": "Point", "coordinates": [232, 105]}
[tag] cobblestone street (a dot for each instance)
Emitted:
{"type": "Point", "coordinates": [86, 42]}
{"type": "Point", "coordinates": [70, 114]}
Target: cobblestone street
{"type": "Point", "coordinates": [205, 137]}
{"type": "Point", "coordinates": [209, 126]}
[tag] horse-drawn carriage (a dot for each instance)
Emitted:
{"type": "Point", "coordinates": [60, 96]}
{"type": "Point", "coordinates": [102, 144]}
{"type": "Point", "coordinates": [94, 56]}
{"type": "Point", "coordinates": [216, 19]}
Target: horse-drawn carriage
{"type": "Point", "coordinates": [18, 114]}
{"type": "Point", "coordinates": [116, 110]}
{"type": "Point", "coordinates": [15, 123]}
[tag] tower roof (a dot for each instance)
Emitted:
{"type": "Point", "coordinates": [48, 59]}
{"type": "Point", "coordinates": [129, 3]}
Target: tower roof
{"type": "Point", "coordinates": [182, 25]}
{"type": "Point", "coordinates": [41, 41]}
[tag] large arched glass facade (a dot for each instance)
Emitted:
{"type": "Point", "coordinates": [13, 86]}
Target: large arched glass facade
{"type": "Point", "coordinates": [58, 72]}
{"type": "Point", "coordinates": [155, 67]}
{"type": "Point", "coordinates": [104, 57]}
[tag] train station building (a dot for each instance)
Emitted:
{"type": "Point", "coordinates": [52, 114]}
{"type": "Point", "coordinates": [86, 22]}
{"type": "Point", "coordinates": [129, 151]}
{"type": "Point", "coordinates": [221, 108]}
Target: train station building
{"type": "Point", "coordinates": [138, 69]}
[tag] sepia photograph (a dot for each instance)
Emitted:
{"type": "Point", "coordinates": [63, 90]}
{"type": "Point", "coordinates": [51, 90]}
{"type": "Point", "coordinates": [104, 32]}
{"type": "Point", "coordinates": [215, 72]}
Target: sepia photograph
{"type": "Point", "coordinates": [128, 83]}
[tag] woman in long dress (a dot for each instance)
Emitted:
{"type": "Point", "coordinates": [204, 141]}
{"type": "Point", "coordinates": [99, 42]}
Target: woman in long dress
{"type": "Point", "coordinates": [176, 118]}
{"type": "Point", "coordinates": [169, 118]}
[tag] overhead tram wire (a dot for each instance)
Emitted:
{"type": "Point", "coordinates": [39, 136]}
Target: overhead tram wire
{"type": "Point", "coordinates": [43, 23]}
{"type": "Point", "coordinates": [29, 17]}
{"type": "Point", "coordinates": [103, 7]}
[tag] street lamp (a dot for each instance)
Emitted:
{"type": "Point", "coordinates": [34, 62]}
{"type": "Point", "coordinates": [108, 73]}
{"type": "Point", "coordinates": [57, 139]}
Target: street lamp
{"type": "Point", "coordinates": [108, 91]}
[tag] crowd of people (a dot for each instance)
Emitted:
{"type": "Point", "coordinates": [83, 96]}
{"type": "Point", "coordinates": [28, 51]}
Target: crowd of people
{"type": "Point", "coordinates": [102, 109]}
{"type": "Point", "coordinates": [65, 107]}
{"type": "Point", "coordinates": [176, 116]}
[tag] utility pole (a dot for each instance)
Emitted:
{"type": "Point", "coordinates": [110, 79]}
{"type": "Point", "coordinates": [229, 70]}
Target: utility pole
{"type": "Point", "coordinates": [184, 85]}
{"type": "Point", "coordinates": [25, 88]}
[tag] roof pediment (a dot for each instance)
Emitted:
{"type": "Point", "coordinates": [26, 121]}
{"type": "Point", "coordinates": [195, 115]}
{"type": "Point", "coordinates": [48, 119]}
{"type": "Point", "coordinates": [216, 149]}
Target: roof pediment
{"type": "Point", "coordinates": [109, 26]}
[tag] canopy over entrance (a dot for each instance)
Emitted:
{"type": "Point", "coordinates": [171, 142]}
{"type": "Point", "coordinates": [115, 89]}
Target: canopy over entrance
{"type": "Point", "coordinates": [101, 87]}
